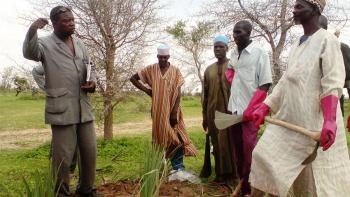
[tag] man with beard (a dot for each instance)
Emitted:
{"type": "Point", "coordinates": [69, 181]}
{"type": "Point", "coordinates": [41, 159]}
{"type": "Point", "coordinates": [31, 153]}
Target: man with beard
{"type": "Point", "coordinates": [68, 80]}
{"type": "Point", "coordinates": [216, 94]}
{"type": "Point", "coordinates": [251, 69]}
{"type": "Point", "coordinates": [307, 96]}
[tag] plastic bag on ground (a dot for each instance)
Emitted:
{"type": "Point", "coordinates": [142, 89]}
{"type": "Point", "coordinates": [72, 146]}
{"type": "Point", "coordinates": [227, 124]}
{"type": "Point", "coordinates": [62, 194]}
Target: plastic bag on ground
{"type": "Point", "coordinates": [183, 175]}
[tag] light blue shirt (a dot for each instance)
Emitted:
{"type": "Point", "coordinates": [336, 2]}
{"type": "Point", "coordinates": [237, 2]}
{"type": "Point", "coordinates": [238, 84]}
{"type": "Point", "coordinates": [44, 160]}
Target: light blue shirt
{"type": "Point", "coordinates": [252, 69]}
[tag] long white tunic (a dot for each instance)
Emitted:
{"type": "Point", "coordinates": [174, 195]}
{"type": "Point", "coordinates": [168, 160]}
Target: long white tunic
{"type": "Point", "coordinates": [315, 70]}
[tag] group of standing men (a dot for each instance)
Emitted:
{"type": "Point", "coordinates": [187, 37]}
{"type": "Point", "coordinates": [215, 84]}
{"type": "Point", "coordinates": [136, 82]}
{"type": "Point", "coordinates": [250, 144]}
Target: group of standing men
{"type": "Point", "coordinates": [67, 76]}
{"type": "Point", "coordinates": [236, 85]}
{"type": "Point", "coordinates": [307, 95]}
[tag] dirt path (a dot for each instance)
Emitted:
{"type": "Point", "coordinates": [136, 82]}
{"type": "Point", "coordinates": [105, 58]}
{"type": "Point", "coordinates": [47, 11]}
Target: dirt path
{"type": "Point", "coordinates": [30, 138]}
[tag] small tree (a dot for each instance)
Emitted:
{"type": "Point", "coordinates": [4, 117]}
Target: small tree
{"type": "Point", "coordinates": [7, 76]}
{"type": "Point", "coordinates": [194, 41]}
{"type": "Point", "coordinates": [21, 84]}
{"type": "Point", "coordinates": [115, 32]}
{"type": "Point", "coordinates": [272, 21]}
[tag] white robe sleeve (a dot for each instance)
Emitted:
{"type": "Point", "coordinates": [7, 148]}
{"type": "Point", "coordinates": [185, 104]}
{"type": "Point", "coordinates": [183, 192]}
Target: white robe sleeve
{"type": "Point", "coordinates": [332, 67]}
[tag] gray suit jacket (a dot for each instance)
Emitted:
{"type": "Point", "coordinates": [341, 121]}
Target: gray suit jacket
{"type": "Point", "coordinates": [39, 76]}
{"type": "Point", "coordinates": [66, 103]}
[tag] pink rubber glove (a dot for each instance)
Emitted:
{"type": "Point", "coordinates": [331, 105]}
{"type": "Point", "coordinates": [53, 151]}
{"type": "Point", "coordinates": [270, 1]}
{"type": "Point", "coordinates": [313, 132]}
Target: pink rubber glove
{"type": "Point", "coordinates": [259, 114]}
{"type": "Point", "coordinates": [258, 97]}
{"type": "Point", "coordinates": [329, 129]}
{"type": "Point", "coordinates": [229, 74]}
{"type": "Point", "coordinates": [348, 125]}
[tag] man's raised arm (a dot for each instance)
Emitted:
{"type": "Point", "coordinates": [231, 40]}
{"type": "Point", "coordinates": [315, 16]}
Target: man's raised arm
{"type": "Point", "coordinates": [31, 48]}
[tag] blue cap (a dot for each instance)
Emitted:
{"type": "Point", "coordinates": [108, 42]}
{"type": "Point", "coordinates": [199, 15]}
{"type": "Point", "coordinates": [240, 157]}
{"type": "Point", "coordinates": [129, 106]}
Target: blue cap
{"type": "Point", "coordinates": [221, 38]}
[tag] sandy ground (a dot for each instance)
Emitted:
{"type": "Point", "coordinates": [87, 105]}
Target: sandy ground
{"type": "Point", "coordinates": [31, 138]}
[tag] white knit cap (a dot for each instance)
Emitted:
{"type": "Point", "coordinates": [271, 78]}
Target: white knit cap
{"type": "Point", "coordinates": [163, 50]}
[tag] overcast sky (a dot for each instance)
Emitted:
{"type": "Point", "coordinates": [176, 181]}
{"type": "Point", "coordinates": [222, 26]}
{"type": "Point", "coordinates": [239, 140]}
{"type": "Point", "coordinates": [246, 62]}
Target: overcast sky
{"type": "Point", "coordinates": [12, 31]}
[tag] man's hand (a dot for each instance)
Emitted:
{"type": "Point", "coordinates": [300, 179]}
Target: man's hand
{"type": "Point", "coordinates": [149, 92]}
{"type": "Point", "coordinates": [204, 125]}
{"type": "Point", "coordinates": [173, 122]}
{"type": "Point", "coordinates": [258, 97]}
{"type": "Point", "coordinates": [39, 23]}
{"type": "Point", "coordinates": [206, 131]}
{"type": "Point", "coordinates": [89, 86]}
{"type": "Point", "coordinates": [329, 129]}
{"type": "Point", "coordinates": [328, 134]}
{"type": "Point", "coordinates": [259, 114]}
{"type": "Point", "coordinates": [173, 119]}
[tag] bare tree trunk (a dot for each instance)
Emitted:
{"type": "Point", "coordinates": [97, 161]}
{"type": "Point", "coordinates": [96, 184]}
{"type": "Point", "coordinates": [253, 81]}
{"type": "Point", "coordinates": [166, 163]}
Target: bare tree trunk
{"type": "Point", "coordinates": [108, 96]}
{"type": "Point", "coordinates": [199, 74]}
{"type": "Point", "coordinates": [277, 51]}
{"type": "Point", "coordinates": [200, 77]}
{"type": "Point", "coordinates": [108, 119]}
{"type": "Point", "coordinates": [276, 66]}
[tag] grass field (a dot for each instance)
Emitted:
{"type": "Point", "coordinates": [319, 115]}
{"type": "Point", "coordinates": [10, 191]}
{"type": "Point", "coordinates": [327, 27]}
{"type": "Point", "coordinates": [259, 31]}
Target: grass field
{"type": "Point", "coordinates": [118, 159]}
{"type": "Point", "coordinates": [21, 112]}
{"type": "Point", "coordinates": [27, 112]}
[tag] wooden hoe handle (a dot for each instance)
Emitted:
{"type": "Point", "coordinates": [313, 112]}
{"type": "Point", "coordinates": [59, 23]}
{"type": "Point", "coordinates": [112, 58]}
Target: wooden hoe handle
{"type": "Point", "coordinates": [315, 135]}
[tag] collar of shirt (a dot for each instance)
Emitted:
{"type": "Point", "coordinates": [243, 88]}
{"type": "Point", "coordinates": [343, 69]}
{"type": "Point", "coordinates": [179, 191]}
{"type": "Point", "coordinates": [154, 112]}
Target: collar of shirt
{"type": "Point", "coordinates": [59, 41]}
{"type": "Point", "coordinates": [303, 39]}
{"type": "Point", "coordinates": [235, 54]}
{"type": "Point", "coordinates": [249, 48]}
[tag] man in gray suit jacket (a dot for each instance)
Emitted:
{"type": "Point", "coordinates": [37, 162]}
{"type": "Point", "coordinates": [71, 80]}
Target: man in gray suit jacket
{"type": "Point", "coordinates": [69, 76]}
{"type": "Point", "coordinates": [39, 77]}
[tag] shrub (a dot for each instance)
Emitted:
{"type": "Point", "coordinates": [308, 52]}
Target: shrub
{"type": "Point", "coordinates": [143, 105]}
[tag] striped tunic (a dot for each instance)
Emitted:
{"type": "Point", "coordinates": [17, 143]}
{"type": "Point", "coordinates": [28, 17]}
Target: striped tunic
{"type": "Point", "coordinates": [164, 94]}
